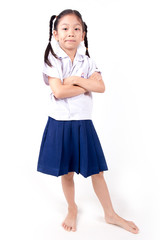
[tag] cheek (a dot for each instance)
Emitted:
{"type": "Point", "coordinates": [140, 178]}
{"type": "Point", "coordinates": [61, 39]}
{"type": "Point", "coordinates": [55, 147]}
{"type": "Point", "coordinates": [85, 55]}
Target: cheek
{"type": "Point", "coordinates": [80, 37]}
{"type": "Point", "coordinates": [63, 35]}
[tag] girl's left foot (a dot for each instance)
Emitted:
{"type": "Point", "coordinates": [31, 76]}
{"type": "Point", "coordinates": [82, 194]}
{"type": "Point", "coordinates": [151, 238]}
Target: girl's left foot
{"type": "Point", "coordinates": [117, 220]}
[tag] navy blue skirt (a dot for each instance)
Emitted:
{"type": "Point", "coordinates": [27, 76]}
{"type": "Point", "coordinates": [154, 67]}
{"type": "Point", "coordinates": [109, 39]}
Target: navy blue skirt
{"type": "Point", "coordinates": [70, 146]}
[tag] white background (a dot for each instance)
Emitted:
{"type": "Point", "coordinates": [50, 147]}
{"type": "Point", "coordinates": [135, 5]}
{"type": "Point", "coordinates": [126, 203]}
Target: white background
{"type": "Point", "coordinates": [124, 41]}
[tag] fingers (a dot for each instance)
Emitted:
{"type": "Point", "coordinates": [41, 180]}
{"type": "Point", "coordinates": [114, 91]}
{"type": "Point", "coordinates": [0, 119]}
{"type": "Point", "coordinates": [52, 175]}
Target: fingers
{"type": "Point", "coordinates": [96, 76]}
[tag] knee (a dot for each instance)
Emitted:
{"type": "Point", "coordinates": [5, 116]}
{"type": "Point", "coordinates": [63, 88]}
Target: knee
{"type": "Point", "coordinates": [68, 176]}
{"type": "Point", "coordinates": [97, 176]}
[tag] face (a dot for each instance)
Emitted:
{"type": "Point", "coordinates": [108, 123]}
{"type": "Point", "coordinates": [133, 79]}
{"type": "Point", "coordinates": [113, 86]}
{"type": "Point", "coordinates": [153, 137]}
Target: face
{"type": "Point", "coordinates": [69, 33]}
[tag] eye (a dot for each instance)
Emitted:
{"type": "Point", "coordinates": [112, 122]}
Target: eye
{"type": "Point", "coordinates": [64, 29]}
{"type": "Point", "coordinates": [77, 28]}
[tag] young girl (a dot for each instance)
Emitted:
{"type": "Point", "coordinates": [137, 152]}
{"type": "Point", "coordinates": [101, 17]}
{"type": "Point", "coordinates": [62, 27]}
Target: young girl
{"type": "Point", "coordinates": [70, 142]}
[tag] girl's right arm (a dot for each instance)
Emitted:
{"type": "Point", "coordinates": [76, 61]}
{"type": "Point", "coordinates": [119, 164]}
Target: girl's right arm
{"type": "Point", "coordinates": [63, 91]}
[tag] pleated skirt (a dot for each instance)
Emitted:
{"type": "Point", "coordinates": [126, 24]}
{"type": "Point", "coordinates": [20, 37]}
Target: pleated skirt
{"type": "Point", "coordinates": [70, 146]}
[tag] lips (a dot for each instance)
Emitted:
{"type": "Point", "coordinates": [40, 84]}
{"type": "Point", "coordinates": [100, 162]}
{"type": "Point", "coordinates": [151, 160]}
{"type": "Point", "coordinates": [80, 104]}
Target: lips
{"type": "Point", "coordinates": [70, 40]}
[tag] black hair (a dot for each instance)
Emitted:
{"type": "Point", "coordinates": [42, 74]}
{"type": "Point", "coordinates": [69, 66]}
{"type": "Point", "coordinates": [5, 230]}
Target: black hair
{"type": "Point", "coordinates": [62, 14]}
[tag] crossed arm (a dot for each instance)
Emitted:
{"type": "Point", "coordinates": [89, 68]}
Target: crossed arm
{"type": "Point", "coordinates": [74, 85]}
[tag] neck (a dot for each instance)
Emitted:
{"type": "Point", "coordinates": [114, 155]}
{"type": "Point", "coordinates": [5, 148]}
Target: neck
{"type": "Point", "coordinates": [70, 53]}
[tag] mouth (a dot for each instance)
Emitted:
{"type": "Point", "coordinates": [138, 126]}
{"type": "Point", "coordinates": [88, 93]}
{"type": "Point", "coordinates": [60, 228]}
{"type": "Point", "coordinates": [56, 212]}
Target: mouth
{"type": "Point", "coordinates": [70, 40]}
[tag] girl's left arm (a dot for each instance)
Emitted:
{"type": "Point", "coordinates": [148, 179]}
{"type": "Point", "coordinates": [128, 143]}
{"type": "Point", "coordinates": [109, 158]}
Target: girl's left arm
{"type": "Point", "coordinates": [93, 84]}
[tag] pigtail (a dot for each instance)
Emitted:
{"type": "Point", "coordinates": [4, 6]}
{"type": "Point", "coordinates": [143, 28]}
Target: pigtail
{"type": "Point", "coordinates": [49, 46]}
{"type": "Point", "coordinates": [86, 40]}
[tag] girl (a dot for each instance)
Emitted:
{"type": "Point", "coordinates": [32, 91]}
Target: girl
{"type": "Point", "coordinates": [70, 142]}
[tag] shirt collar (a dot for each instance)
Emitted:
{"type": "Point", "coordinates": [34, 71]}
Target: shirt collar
{"type": "Point", "coordinates": [62, 54]}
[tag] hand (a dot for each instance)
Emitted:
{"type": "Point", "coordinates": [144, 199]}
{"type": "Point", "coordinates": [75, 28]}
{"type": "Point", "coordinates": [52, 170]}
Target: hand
{"type": "Point", "coordinates": [96, 76]}
{"type": "Point", "coordinates": [69, 80]}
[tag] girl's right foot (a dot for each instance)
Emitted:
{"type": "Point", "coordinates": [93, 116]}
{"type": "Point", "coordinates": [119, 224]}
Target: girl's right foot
{"type": "Point", "coordinates": [69, 223]}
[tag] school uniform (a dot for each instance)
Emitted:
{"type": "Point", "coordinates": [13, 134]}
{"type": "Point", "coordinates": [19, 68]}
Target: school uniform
{"type": "Point", "coordinates": [70, 142]}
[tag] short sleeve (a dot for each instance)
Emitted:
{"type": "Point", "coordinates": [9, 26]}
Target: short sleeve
{"type": "Point", "coordinates": [50, 71]}
{"type": "Point", "coordinates": [92, 67]}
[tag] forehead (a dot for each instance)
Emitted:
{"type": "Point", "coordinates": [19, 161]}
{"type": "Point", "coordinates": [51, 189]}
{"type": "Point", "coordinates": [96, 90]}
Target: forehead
{"type": "Point", "coordinates": [70, 20]}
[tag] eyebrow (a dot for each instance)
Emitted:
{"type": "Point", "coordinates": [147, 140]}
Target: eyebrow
{"type": "Point", "coordinates": [68, 24]}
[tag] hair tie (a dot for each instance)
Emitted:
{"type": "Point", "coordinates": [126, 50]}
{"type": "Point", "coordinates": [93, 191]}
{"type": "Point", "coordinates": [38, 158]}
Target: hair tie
{"type": "Point", "coordinates": [86, 48]}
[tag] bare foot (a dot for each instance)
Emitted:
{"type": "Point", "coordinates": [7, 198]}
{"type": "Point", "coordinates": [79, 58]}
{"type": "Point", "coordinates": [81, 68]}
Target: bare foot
{"type": "Point", "coordinates": [69, 223]}
{"type": "Point", "coordinates": [117, 220]}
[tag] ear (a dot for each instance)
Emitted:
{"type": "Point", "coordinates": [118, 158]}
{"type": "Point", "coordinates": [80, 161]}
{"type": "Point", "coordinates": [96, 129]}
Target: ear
{"type": "Point", "coordinates": [55, 34]}
{"type": "Point", "coordinates": [83, 35]}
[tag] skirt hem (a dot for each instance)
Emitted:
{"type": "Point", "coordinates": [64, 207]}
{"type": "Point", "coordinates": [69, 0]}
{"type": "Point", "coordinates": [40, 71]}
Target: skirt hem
{"type": "Point", "coordinates": [56, 173]}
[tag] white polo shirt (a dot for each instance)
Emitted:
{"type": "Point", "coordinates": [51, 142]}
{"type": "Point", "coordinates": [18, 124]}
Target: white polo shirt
{"type": "Point", "coordinates": [72, 108]}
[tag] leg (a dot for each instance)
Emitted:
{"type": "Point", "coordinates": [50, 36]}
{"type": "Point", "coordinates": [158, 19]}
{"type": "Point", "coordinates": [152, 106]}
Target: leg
{"type": "Point", "coordinates": [68, 188]}
{"type": "Point", "coordinates": [101, 190]}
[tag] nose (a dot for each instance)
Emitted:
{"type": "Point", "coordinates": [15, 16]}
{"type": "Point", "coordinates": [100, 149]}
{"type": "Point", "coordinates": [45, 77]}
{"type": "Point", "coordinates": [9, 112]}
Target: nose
{"type": "Point", "coordinates": [71, 33]}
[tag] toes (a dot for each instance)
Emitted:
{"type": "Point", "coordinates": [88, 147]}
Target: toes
{"type": "Point", "coordinates": [73, 228]}
{"type": "Point", "coordinates": [67, 228]}
{"type": "Point", "coordinates": [135, 228]}
{"type": "Point", "coordinates": [64, 225]}
{"type": "Point", "coordinates": [134, 231]}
